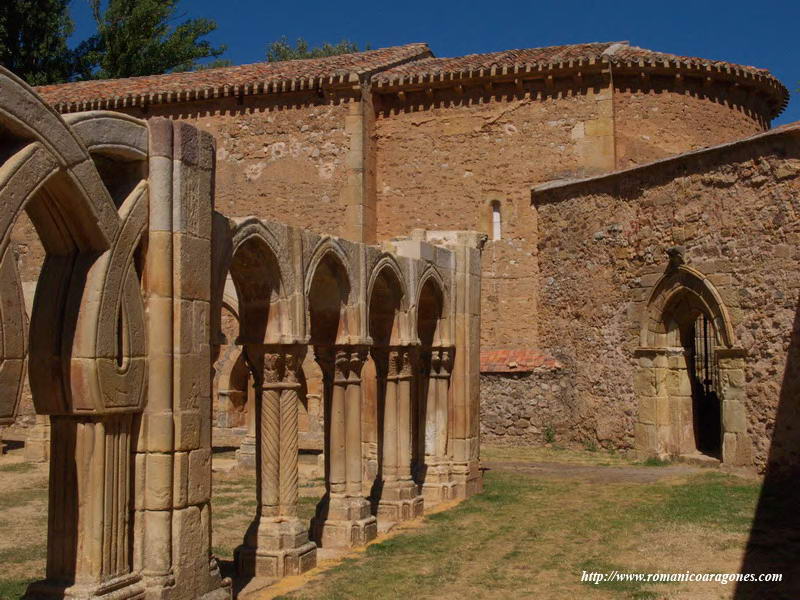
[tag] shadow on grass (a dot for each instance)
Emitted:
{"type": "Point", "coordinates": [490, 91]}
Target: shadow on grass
{"type": "Point", "coordinates": [774, 542]}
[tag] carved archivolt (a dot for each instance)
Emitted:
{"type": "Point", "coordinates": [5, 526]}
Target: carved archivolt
{"type": "Point", "coordinates": [689, 286]}
{"type": "Point", "coordinates": [87, 324]}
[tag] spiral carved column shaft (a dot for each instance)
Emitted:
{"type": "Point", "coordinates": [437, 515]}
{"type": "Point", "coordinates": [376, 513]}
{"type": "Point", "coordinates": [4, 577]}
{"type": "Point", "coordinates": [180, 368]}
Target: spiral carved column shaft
{"type": "Point", "coordinates": [276, 543]}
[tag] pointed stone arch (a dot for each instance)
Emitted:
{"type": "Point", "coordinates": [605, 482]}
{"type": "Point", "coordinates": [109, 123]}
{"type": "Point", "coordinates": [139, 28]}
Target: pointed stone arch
{"type": "Point", "coordinates": [328, 314]}
{"type": "Point", "coordinates": [388, 276]}
{"type": "Point", "coordinates": [683, 289]}
{"type": "Point", "coordinates": [258, 270]}
{"type": "Point", "coordinates": [431, 314]}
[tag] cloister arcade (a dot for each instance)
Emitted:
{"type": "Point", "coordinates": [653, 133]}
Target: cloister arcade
{"type": "Point", "coordinates": [126, 331]}
{"type": "Point", "coordinates": [373, 328]}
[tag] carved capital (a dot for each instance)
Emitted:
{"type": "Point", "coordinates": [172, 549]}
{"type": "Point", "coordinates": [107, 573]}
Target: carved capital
{"type": "Point", "coordinates": [436, 361]}
{"type": "Point", "coordinates": [346, 362]}
{"type": "Point", "coordinates": [401, 361]}
{"type": "Point", "coordinates": [275, 364]}
{"type": "Point", "coordinates": [294, 362]}
{"type": "Point", "coordinates": [446, 360]}
{"type": "Point", "coordinates": [441, 362]}
{"type": "Point", "coordinates": [274, 367]}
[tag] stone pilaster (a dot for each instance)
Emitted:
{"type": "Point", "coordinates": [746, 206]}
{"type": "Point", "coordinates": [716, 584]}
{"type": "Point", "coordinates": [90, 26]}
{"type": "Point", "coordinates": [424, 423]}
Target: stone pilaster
{"type": "Point", "coordinates": [737, 446]}
{"type": "Point", "coordinates": [88, 543]}
{"type": "Point", "coordinates": [438, 484]}
{"type": "Point", "coordinates": [343, 517]}
{"type": "Point", "coordinates": [276, 543]}
{"type": "Point", "coordinates": [399, 498]}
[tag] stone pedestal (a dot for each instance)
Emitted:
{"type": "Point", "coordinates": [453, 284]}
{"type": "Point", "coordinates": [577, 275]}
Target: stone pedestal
{"type": "Point", "coordinates": [344, 522]}
{"type": "Point", "coordinates": [439, 485]}
{"type": "Point", "coordinates": [276, 547]}
{"type": "Point", "coordinates": [246, 453]}
{"type": "Point", "coordinates": [37, 442]}
{"type": "Point", "coordinates": [400, 502]}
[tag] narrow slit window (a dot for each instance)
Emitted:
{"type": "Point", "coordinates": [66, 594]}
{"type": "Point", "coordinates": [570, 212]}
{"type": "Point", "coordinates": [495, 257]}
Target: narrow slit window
{"type": "Point", "coordinates": [497, 221]}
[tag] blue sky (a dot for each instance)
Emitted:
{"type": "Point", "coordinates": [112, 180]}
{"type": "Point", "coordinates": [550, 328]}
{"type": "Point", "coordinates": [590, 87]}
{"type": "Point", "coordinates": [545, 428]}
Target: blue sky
{"type": "Point", "coordinates": [763, 34]}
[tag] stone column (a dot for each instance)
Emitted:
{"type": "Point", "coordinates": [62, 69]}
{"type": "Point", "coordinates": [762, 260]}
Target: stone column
{"type": "Point", "coordinates": [343, 518]}
{"type": "Point", "coordinates": [464, 424]}
{"type": "Point", "coordinates": [399, 498]}
{"type": "Point", "coordinates": [246, 454]}
{"type": "Point", "coordinates": [37, 442]}
{"type": "Point", "coordinates": [438, 484]}
{"type": "Point", "coordinates": [276, 543]}
{"type": "Point", "coordinates": [88, 542]}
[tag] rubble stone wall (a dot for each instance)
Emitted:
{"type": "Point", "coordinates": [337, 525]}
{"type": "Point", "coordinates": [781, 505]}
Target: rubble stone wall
{"type": "Point", "coordinates": [602, 248]}
{"type": "Point", "coordinates": [529, 408]}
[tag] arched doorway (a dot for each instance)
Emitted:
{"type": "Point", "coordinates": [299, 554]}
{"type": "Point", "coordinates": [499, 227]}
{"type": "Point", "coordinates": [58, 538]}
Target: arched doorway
{"type": "Point", "coordinates": [693, 378]}
{"type": "Point", "coordinates": [690, 374]}
{"type": "Point", "coordinates": [701, 362]}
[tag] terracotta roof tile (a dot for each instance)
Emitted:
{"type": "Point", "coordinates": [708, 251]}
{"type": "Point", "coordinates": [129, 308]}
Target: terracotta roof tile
{"type": "Point", "coordinates": [615, 52]}
{"type": "Point", "coordinates": [575, 55]}
{"type": "Point", "coordinates": [277, 76]}
{"type": "Point", "coordinates": [520, 360]}
{"type": "Point", "coordinates": [394, 66]}
{"type": "Point", "coordinates": [475, 62]}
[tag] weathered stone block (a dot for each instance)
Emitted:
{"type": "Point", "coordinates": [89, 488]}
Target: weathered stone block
{"type": "Point", "coordinates": [199, 484]}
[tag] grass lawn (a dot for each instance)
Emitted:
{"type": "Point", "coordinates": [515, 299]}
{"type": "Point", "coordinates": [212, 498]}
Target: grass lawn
{"type": "Point", "coordinates": [529, 535]}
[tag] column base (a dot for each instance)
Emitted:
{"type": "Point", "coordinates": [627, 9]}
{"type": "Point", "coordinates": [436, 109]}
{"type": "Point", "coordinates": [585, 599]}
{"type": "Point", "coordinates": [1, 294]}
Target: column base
{"type": "Point", "coordinates": [275, 548]}
{"type": "Point", "coordinates": [126, 587]}
{"type": "Point", "coordinates": [37, 442]}
{"type": "Point", "coordinates": [344, 522]}
{"type": "Point", "coordinates": [438, 485]}
{"type": "Point", "coordinates": [435, 493]}
{"type": "Point", "coordinates": [400, 501]}
{"type": "Point", "coordinates": [467, 478]}
{"type": "Point", "coordinates": [246, 454]}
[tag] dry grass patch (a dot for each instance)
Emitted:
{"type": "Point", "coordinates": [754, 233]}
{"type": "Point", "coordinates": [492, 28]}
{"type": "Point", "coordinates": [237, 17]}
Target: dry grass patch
{"type": "Point", "coordinates": [23, 524]}
{"type": "Point", "coordinates": [530, 537]}
{"type": "Point", "coordinates": [525, 536]}
{"type": "Point", "coordinates": [553, 453]}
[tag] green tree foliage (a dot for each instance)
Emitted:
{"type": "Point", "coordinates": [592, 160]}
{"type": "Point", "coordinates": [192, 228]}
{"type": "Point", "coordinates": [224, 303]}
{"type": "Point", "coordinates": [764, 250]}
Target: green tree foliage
{"type": "Point", "coordinates": [33, 39]}
{"type": "Point", "coordinates": [282, 49]}
{"type": "Point", "coordinates": [214, 64]}
{"type": "Point", "coordinates": [136, 37]}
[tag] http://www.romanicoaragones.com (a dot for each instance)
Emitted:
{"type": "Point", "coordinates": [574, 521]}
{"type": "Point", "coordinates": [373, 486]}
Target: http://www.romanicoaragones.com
{"type": "Point", "coordinates": [721, 578]}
